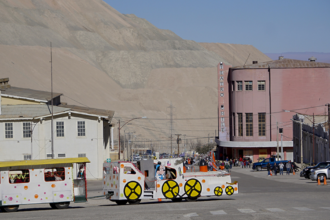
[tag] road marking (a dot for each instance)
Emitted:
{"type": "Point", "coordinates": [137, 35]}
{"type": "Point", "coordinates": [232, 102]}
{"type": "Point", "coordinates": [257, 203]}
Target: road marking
{"type": "Point", "coordinates": [194, 214]}
{"type": "Point", "coordinates": [302, 209]}
{"type": "Point", "coordinates": [246, 210]}
{"type": "Point", "coordinates": [325, 208]}
{"type": "Point", "coordinates": [275, 210]}
{"type": "Point", "coordinates": [220, 212]}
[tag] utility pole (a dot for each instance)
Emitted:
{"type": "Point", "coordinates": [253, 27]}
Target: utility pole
{"type": "Point", "coordinates": [277, 140]}
{"type": "Point", "coordinates": [178, 141]}
{"type": "Point", "coordinates": [51, 80]}
{"type": "Point", "coordinates": [328, 129]}
{"type": "Point", "coordinates": [313, 141]}
{"type": "Point", "coordinates": [301, 144]}
{"type": "Point", "coordinates": [171, 125]}
{"type": "Point", "coordinates": [119, 140]}
{"type": "Point", "coordinates": [282, 155]}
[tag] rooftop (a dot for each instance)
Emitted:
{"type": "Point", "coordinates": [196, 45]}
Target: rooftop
{"type": "Point", "coordinates": [28, 94]}
{"type": "Point", "coordinates": [87, 110]}
{"type": "Point", "coordinates": [28, 111]}
{"type": "Point", "coordinates": [284, 63]}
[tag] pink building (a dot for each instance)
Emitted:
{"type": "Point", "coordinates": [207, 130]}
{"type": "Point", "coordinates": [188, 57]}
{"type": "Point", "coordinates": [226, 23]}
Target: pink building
{"type": "Point", "coordinates": [262, 96]}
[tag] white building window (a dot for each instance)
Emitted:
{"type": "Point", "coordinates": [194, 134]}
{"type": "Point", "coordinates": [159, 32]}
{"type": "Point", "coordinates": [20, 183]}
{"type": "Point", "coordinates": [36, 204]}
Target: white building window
{"type": "Point", "coordinates": [222, 107]}
{"type": "Point", "coordinates": [9, 130]}
{"type": "Point", "coordinates": [221, 94]}
{"type": "Point", "coordinates": [221, 78]}
{"type": "Point", "coordinates": [61, 155]}
{"type": "Point", "coordinates": [222, 124]}
{"type": "Point", "coordinates": [221, 83]}
{"type": "Point", "coordinates": [222, 129]}
{"type": "Point", "coordinates": [26, 129]}
{"type": "Point", "coordinates": [222, 119]}
{"type": "Point", "coordinates": [222, 113]}
{"type": "Point", "coordinates": [60, 129]}
{"type": "Point", "coordinates": [81, 155]}
{"type": "Point", "coordinates": [49, 156]}
{"type": "Point", "coordinates": [221, 89]}
{"type": "Point", "coordinates": [221, 72]}
{"type": "Point", "coordinates": [81, 128]}
{"type": "Point", "coordinates": [27, 157]}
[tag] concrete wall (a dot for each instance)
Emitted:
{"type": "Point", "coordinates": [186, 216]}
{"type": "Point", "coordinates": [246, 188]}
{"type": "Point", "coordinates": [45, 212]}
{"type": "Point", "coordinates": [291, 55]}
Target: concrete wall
{"type": "Point", "coordinates": [312, 154]}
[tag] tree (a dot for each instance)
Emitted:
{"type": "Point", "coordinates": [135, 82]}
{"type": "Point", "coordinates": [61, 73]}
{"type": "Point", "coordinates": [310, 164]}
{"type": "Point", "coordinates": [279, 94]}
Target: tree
{"type": "Point", "coordinates": [204, 149]}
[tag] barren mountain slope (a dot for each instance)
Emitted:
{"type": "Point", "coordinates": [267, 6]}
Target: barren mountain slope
{"type": "Point", "coordinates": [236, 54]}
{"type": "Point", "coordinates": [104, 59]}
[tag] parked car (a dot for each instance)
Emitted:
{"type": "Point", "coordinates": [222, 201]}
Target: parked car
{"type": "Point", "coordinates": [263, 164]}
{"type": "Point", "coordinates": [320, 172]}
{"type": "Point", "coordinates": [306, 172]}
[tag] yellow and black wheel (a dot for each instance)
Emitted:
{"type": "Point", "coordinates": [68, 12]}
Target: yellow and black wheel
{"type": "Point", "coordinates": [170, 189]}
{"type": "Point", "coordinates": [193, 188]}
{"type": "Point", "coordinates": [229, 190]}
{"type": "Point", "coordinates": [218, 191]}
{"type": "Point", "coordinates": [132, 191]}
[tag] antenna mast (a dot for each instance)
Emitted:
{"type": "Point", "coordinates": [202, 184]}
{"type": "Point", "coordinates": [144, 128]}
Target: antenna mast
{"type": "Point", "coordinates": [51, 80]}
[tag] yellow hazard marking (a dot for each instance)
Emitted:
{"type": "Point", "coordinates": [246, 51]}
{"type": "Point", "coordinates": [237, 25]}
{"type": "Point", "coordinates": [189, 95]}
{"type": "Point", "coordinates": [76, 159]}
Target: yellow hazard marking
{"type": "Point", "coordinates": [193, 188]}
{"type": "Point", "coordinates": [132, 190]}
{"type": "Point", "coordinates": [218, 191]}
{"type": "Point", "coordinates": [229, 190]}
{"type": "Point", "coordinates": [170, 189]}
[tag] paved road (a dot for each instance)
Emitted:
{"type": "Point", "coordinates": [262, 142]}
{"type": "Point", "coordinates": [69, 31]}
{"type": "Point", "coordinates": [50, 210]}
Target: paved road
{"type": "Point", "coordinates": [260, 197]}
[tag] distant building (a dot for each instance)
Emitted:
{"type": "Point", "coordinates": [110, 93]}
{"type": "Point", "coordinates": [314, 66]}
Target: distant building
{"type": "Point", "coordinates": [262, 95]}
{"type": "Point", "coordinates": [25, 128]}
{"type": "Point", "coordinates": [311, 144]}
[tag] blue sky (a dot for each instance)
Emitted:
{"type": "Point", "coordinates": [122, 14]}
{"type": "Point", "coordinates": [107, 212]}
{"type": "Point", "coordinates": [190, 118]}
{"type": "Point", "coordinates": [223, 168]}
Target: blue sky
{"type": "Point", "coordinates": [271, 26]}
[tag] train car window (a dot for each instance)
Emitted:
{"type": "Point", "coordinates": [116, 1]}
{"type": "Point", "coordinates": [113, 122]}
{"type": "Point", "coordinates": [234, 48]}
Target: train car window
{"type": "Point", "coordinates": [170, 173]}
{"type": "Point", "coordinates": [129, 170]}
{"type": "Point", "coordinates": [54, 174]}
{"type": "Point", "coordinates": [19, 176]}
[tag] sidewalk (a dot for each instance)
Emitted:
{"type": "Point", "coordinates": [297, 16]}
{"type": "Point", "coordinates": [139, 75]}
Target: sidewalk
{"type": "Point", "coordinates": [294, 179]}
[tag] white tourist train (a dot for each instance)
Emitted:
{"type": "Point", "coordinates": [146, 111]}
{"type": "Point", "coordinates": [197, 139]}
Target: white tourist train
{"type": "Point", "coordinates": [54, 181]}
{"type": "Point", "coordinates": [162, 179]}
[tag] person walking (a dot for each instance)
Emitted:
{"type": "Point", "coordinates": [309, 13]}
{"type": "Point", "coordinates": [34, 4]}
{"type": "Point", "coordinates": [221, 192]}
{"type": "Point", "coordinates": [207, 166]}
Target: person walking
{"type": "Point", "coordinates": [242, 164]}
{"type": "Point", "coordinates": [274, 169]}
{"type": "Point", "coordinates": [268, 169]}
{"type": "Point", "coordinates": [281, 165]}
{"type": "Point", "coordinates": [227, 167]}
{"type": "Point", "coordinates": [231, 163]}
{"type": "Point", "coordinates": [288, 167]}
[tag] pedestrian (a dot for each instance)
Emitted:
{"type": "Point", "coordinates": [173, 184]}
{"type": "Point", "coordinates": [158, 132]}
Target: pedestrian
{"type": "Point", "coordinates": [288, 167]}
{"type": "Point", "coordinates": [281, 168]}
{"type": "Point", "coordinates": [247, 163]}
{"type": "Point", "coordinates": [227, 167]}
{"type": "Point", "coordinates": [274, 169]}
{"type": "Point", "coordinates": [242, 164]}
{"type": "Point", "coordinates": [268, 169]}
{"type": "Point", "coordinates": [231, 163]}
{"type": "Point", "coordinates": [250, 162]}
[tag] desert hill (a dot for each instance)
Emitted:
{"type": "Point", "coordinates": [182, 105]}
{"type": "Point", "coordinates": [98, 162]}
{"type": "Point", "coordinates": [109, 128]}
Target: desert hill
{"type": "Point", "coordinates": [105, 59]}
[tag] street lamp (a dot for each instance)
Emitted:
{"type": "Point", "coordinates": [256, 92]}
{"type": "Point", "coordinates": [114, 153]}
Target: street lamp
{"type": "Point", "coordinates": [121, 128]}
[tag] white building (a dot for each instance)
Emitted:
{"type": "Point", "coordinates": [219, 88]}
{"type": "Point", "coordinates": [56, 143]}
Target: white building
{"type": "Point", "coordinates": [25, 128]}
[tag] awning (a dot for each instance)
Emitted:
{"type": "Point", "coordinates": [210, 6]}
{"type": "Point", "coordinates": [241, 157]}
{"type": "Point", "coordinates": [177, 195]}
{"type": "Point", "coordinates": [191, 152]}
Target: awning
{"type": "Point", "coordinates": [43, 162]}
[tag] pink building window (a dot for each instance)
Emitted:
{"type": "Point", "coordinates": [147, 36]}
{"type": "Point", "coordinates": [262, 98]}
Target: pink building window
{"type": "Point", "coordinates": [262, 124]}
{"type": "Point", "coordinates": [239, 86]}
{"type": "Point", "coordinates": [240, 124]}
{"type": "Point", "coordinates": [248, 85]}
{"type": "Point", "coordinates": [249, 124]}
{"type": "Point", "coordinates": [261, 85]}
